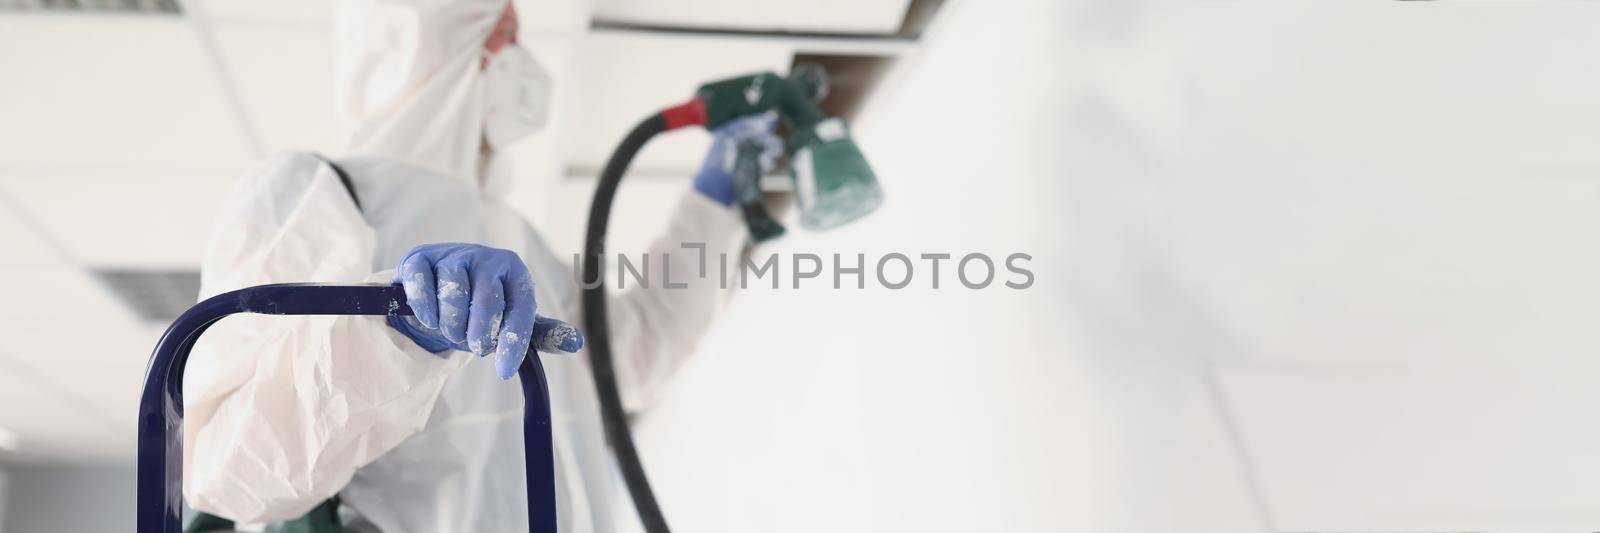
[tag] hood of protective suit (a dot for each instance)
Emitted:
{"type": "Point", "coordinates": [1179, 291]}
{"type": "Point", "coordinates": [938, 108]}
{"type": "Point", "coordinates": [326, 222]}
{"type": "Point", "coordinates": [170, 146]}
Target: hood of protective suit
{"type": "Point", "coordinates": [411, 86]}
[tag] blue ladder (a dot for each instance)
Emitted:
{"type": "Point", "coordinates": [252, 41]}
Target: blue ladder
{"type": "Point", "coordinates": [161, 404]}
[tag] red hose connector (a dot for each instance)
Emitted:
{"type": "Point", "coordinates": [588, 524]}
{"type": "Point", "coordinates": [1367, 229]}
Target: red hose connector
{"type": "Point", "coordinates": [690, 113]}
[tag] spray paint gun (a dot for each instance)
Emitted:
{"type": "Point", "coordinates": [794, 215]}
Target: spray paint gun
{"type": "Point", "coordinates": [833, 186]}
{"type": "Point", "coordinates": [832, 182]}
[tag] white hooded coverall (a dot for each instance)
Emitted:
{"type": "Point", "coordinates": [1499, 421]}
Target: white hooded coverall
{"type": "Point", "coordinates": [283, 413]}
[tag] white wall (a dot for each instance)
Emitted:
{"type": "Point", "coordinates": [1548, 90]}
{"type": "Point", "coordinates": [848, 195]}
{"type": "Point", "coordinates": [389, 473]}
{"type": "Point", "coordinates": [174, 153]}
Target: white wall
{"type": "Point", "coordinates": [935, 409]}
{"type": "Point", "coordinates": [1367, 222]}
{"type": "Point", "coordinates": [1303, 266]}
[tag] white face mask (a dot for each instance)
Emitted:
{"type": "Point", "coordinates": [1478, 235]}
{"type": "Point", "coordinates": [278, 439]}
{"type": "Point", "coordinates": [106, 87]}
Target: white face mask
{"type": "Point", "coordinates": [517, 94]}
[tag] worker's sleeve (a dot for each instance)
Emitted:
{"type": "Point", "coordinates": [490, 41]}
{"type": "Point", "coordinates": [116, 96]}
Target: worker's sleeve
{"type": "Point", "coordinates": [655, 329]}
{"type": "Point", "coordinates": [281, 411]}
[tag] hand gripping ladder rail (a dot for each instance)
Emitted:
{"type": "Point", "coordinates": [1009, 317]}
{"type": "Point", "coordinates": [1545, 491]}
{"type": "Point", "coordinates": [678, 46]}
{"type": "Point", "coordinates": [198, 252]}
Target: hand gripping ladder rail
{"type": "Point", "coordinates": [160, 505]}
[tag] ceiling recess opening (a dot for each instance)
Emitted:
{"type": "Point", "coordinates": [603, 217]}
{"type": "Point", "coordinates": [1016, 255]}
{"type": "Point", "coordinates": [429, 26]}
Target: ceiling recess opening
{"type": "Point", "coordinates": [151, 7]}
{"type": "Point", "coordinates": [851, 80]}
{"type": "Point", "coordinates": [154, 296]}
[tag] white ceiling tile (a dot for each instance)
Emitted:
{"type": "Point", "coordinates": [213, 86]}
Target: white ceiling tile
{"type": "Point", "coordinates": [826, 16]}
{"type": "Point", "coordinates": [82, 356]}
{"type": "Point", "coordinates": [24, 246]}
{"type": "Point", "coordinates": [131, 220]}
{"type": "Point", "coordinates": [111, 93]}
{"type": "Point", "coordinates": [1465, 449]}
{"type": "Point", "coordinates": [53, 424]}
{"type": "Point", "coordinates": [285, 78]}
{"type": "Point", "coordinates": [99, 363]}
{"type": "Point", "coordinates": [624, 78]}
{"type": "Point", "coordinates": [66, 302]}
{"type": "Point", "coordinates": [277, 11]}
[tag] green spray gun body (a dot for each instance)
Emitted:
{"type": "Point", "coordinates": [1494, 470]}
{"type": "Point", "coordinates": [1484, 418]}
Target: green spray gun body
{"type": "Point", "coordinates": [833, 184]}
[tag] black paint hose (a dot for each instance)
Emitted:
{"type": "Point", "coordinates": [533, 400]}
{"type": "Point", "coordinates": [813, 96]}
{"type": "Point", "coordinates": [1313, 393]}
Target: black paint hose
{"type": "Point", "coordinates": [597, 331]}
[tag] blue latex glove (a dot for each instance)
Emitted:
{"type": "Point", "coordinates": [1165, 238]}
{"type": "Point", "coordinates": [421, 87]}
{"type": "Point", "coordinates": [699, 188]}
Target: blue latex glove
{"type": "Point", "coordinates": [715, 178]}
{"type": "Point", "coordinates": [476, 299]}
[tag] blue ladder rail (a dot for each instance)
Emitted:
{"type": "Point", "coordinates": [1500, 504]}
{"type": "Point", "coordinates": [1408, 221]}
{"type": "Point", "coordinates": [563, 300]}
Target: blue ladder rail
{"type": "Point", "coordinates": [161, 404]}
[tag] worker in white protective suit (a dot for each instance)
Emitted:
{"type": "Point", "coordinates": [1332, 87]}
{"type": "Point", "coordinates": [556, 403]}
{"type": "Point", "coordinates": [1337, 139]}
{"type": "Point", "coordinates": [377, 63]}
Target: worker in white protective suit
{"type": "Point", "coordinates": [410, 426]}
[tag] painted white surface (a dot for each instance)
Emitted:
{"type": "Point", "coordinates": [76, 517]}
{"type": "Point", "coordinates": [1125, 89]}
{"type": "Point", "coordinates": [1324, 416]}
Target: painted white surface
{"type": "Point", "coordinates": [1364, 220]}
{"type": "Point", "coordinates": [1306, 267]}
{"type": "Point", "coordinates": [944, 409]}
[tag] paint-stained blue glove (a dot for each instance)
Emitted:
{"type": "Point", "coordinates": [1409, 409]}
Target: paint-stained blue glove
{"type": "Point", "coordinates": [715, 178]}
{"type": "Point", "coordinates": [477, 299]}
